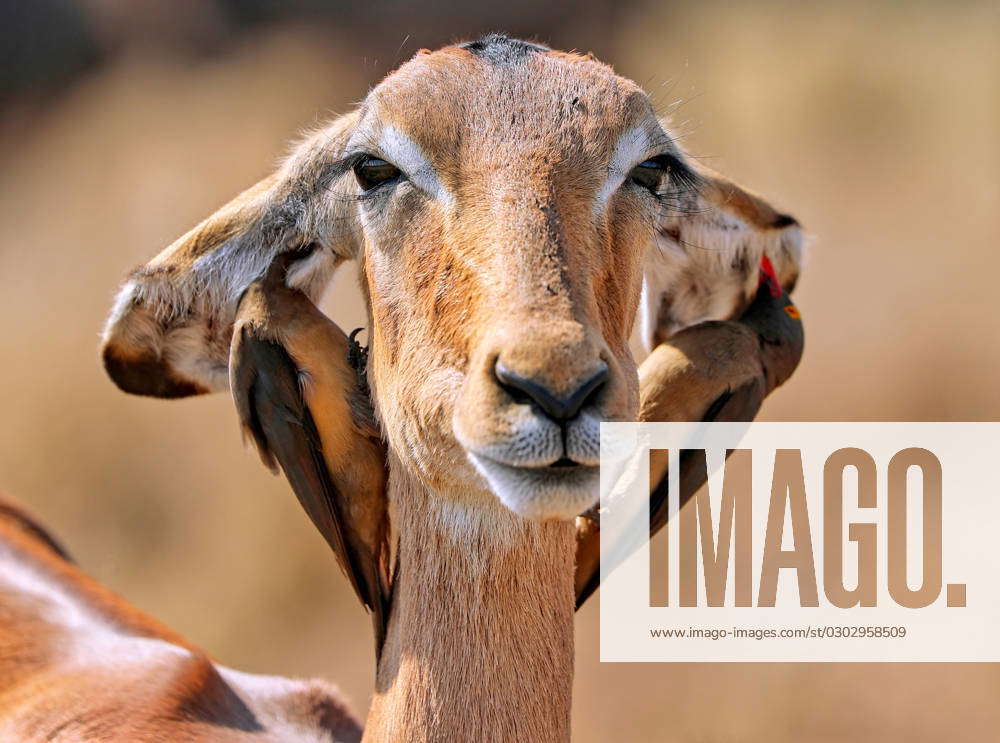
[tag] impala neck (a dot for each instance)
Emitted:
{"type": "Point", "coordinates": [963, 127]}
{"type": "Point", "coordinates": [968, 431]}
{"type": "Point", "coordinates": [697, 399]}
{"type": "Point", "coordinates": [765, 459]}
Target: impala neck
{"type": "Point", "coordinates": [480, 640]}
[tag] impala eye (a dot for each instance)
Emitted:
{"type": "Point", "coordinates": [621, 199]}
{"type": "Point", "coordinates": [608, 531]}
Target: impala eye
{"type": "Point", "coordinates": [649, 174]}
{"type": "Point", "coordinates": [372, 172]}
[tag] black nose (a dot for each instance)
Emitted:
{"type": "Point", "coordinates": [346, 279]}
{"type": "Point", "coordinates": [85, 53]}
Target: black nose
{"type": "Point", "coordinates": [557, 408]}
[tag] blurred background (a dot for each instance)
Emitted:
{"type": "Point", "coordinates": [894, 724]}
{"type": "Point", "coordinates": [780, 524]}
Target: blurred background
{"type": "Point", "coordinates": [124, 122]}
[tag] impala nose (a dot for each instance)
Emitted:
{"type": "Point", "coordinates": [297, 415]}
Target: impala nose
{"type": "Point", "coordinates": [559, 408]}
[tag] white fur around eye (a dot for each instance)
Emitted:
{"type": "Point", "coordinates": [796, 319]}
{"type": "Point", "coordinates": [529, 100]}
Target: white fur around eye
{"type": "Point", "coordinates": [630, 149]}
{"type": "Point", "coordinates": [407, 155]}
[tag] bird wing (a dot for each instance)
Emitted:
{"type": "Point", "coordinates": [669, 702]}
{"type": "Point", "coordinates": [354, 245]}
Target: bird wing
{"type": "Point", "coordinates": [306, 408]}
{"type": "Point", "coordinates": [713, 371]}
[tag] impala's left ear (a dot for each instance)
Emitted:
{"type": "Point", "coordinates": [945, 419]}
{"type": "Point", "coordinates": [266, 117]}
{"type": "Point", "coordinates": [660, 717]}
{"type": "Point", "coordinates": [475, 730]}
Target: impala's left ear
{"type": "Point", "coordinates": [169, 331]}
{"type": "Point", "coordinates": [707, 258]}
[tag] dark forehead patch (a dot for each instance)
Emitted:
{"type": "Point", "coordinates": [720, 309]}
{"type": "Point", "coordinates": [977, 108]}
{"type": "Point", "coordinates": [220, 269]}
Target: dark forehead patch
{"type": "Point", "coordinates": [503, 51]}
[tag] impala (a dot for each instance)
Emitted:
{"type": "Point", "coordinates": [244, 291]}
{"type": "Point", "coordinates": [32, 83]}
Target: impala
{"type": "Point", "coordinates": [512, 212]}
{"type": "Point", "coordinates": [78, 663]}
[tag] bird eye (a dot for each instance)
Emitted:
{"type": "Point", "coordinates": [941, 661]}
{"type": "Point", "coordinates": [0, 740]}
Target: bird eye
{"type": "Point", "coordinates": [649, 174]}
{"type": "Point", "coordinates": [374, 171]}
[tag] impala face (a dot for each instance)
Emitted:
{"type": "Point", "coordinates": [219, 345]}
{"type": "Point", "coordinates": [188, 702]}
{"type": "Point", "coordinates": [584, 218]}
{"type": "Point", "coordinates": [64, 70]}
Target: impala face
{"type": "Point", "coordinates": [506, 195]}
{"type": "Point", "coordinates": [507, 205]}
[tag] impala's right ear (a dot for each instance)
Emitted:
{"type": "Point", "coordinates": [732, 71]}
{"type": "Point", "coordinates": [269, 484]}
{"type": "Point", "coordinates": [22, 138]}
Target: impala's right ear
{"type": "Point", "coordinates": [708, 256]}
{"type": "Point", "coordinates": [171, 325]}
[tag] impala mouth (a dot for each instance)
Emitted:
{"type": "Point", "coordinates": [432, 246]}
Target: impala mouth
{"type": "Point", "coordinates": [565, 462]}
{"type": "Point", "coordinates": [562, 489]}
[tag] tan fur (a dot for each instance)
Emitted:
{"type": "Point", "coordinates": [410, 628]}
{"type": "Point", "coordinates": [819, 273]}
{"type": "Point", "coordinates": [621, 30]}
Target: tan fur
{"type": "Point", "coordinates": [480, 646]}
{"type": "Point", "coordinates": [79, 663]}
{"type": "Point", "coordinates": [516, 236]}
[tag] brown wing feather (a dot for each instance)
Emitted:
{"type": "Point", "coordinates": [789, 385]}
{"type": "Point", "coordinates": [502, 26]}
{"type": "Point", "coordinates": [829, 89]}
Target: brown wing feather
{"type": "Point", "coordinates": [298, 399]}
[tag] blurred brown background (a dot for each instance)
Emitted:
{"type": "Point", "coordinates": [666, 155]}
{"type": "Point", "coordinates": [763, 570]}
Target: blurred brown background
{"type": "Point", "coordinates": [123, 123]}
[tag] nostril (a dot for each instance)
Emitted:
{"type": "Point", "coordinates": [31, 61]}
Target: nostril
{"type": "Point", "coordinates": [516, 386]}
{"type": "Point", "coordinates": [560, 408]}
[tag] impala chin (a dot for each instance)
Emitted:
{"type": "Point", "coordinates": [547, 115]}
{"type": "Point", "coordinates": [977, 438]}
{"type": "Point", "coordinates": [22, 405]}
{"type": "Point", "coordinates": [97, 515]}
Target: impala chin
{"type": "Point", "coordinates": [544, 471]}
{"type": "Point", "coordinates": [542, 493]}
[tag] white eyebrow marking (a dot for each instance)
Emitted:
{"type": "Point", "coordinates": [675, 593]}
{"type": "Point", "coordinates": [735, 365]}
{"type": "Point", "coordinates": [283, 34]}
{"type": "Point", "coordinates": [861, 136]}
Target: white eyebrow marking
{"type": "Point", "coordinates": [406, 155]}
{"type": "Point", "coordinates": [632, 145]}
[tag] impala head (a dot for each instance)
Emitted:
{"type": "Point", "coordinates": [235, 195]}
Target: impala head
{"type": "Point", "coordinates": [507, 205]}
